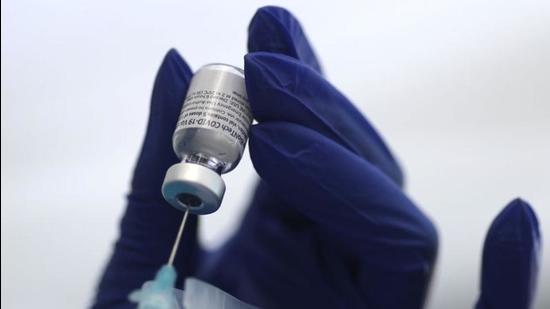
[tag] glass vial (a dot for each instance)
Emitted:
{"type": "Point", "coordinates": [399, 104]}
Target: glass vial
{"type": "Point", "coordinates": [210, 137]}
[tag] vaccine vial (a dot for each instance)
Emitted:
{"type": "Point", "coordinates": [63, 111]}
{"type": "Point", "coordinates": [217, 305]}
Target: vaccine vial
{"type": "Point", "coordinates": [210, 137]}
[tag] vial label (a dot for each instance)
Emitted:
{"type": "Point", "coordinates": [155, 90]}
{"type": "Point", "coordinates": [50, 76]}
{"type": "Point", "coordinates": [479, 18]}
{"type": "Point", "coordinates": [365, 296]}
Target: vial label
{"type": "Point", "coordinates": [217, 100]}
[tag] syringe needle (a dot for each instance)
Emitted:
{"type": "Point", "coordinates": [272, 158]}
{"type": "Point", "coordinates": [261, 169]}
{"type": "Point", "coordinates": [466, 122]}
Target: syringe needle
{"type": "Point", "coordinates": [178, 238]}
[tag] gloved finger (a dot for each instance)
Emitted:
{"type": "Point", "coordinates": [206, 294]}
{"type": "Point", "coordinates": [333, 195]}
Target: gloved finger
{"type": "Point", "coordinates": [281, 88]}
{"type": "Point", "coordinates": [157, 154]}
{"type": "Point", "coordinates": [510, 259]}
{"type": "Point", "coordinates": [149, 224]}
{"type": "Point", "coordinates": [274, 29]}
{"type": "Point", "coordinates": [361, 210]}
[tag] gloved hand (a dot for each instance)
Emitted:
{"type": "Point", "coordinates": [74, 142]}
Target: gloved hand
{"type": "Point", "coordinates": [510, 259]}
{"type": "Point", "coordinates": [329, 225]}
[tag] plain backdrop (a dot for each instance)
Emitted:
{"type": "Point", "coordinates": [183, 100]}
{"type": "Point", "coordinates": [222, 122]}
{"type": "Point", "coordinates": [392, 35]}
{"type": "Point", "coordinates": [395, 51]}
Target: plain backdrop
{"type": "Point", "coordinates": [459, 89]}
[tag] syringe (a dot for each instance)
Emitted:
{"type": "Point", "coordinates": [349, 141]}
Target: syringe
{"type": "Point", "coordinates": [159, 293]}
{"type": "Point", "coordinates": [178, 239]}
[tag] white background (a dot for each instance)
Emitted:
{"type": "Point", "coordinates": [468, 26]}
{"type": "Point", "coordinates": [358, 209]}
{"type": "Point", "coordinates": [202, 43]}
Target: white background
{"type": "Point", "coordinates": [460, 89]}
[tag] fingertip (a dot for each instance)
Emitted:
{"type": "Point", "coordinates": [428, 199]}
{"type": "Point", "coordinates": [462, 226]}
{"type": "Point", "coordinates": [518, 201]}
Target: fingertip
{"type": "Point", "coordinates": [510, 258]}
{"type": "Point", "coordinates": [174, 56]}
{"type": "Point", "coordinates": [270, 61]}
{"type": "Point", "coordinates": [276, 84]}
{"type": "Point", "coordinates": [271, 79]}
{"type": "Point", "coordinates": [274, 29]}
{"type": "Point", "coordinates": [171, 82]}
{"type": "Point", "coordinates": [156, 155]}
{"type": "Point", "coordinates": [173, 75]}
{"type": "Point", "coordinates": [516, 223]}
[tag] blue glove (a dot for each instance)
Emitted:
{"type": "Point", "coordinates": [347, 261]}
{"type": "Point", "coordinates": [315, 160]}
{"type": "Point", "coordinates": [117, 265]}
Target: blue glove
{"type": "Point", "coordinates": [328, 226]}
{"type": "Point", "coordinates": [510, 259]}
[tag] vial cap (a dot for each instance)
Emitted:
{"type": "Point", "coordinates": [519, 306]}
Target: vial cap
{"type": "Point", "coordinates": [193, 187]}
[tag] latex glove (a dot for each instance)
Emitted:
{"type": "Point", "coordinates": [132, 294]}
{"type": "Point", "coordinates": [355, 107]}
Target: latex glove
{"type": "Point", "coordinates": [510, 259]}
{"type": "Point", "coordinates": [329, 225]}
{"type": "Point", "coordinates": [149, 225]}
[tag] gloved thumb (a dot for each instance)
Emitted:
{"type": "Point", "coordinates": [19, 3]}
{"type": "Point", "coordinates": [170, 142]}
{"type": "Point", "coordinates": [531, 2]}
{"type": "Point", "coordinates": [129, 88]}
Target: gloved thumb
{"type": "Point", "coordinates": [274, 29]}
